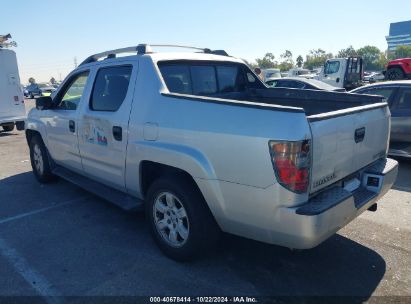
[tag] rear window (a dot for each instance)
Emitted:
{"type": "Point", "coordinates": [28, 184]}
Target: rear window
{"type": "Point", "coordinates": [205, 78]}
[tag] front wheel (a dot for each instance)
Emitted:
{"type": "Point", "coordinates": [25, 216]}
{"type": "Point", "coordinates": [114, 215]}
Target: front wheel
{"type": "Point", "coordinates": [8, 128]}
{"type": "Point", "coordinates": [40, 161]}
{"type": "Point", "coordinates": [180, 221]}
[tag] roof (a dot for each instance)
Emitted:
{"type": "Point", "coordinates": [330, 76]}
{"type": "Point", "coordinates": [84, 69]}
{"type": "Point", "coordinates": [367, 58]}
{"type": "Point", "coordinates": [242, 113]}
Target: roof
{"type": "Point", "coordinates": [395, 82]}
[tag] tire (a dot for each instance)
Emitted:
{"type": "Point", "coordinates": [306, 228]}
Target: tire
{"type": "Point", "coordinates": [40, 161]}
{"type": "Point", "coordinates": [8, 128]}
{"type": "Point", "coordinates": [180, 221]}
{"type": "Point", "coordinates": [395, 74]}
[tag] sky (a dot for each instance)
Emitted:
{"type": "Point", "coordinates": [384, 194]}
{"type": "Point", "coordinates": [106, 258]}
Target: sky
{"type": "Point", "coordinates": [50, 34]}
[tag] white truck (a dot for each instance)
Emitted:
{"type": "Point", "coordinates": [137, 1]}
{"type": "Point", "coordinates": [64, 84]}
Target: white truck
{"type": "Point", "coordinates": [12, 110]}
{"type": "Point", "coordinates": [344, 73]}
{"type": "Point", "coordinates": [203, 145]}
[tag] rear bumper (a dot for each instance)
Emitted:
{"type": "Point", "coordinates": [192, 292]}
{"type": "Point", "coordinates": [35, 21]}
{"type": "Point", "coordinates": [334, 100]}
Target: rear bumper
{"type": "Point", "coordinates": [312, 223]}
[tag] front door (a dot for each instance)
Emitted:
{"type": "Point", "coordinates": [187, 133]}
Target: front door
{"type": "Point", "coordinates": [62, 122]}
{"type": "Point", "coordinates": [332, 74]}
{"type": "Point", "coordinates": [104, 124]}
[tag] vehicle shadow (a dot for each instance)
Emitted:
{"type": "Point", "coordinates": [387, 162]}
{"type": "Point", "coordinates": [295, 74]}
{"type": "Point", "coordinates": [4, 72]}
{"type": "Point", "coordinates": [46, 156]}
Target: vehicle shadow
{"type": "Point", "coordinates": [338, 267]}
{"type": "Point", "coordinates": [119, 243]}
{"type": "Point", "coordinates": [403, 182]}
{"type": "Point", "coordinates": [4, 134]}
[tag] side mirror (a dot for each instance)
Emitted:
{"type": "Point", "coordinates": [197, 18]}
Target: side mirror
{"type": "Point", "coordinates": [44, 103]}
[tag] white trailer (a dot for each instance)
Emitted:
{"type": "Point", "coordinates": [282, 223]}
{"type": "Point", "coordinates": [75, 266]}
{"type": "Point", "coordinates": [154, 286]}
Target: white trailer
{"type": "Point", "coordinates": [12, 110]}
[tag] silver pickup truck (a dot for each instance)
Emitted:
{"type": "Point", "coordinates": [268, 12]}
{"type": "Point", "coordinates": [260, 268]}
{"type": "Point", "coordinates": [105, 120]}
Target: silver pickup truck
{"type": "Point", "coordinates": [204, 146]}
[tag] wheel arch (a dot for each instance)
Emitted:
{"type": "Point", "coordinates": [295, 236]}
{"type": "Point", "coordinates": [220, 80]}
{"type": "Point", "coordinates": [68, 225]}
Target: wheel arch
{"type": "Point", "coordinates": [151, 171]}
{"type": "Point", "coordinates": [397, 65]}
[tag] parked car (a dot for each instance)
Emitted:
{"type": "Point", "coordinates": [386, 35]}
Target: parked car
{"type": "Point", "coordinates": [374, 76]}
{"type": "Point", "coordinates": [398, 69]}
{"type": "Point", "coordinates": [398, 96]}
{"type": "Point", "coordinates": [203, 145]}
{"type": "Point", "coordinates": [302, 83]}
{"type": "Point", "coordinates": [12, 110]}
{"type": "Point", "coordinates": [40, 89]}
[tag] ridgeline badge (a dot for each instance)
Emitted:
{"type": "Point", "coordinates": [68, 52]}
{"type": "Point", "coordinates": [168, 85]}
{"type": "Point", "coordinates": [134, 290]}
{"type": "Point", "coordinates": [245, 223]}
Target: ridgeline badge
{"type": "Point", "coordinates": [324, 180]}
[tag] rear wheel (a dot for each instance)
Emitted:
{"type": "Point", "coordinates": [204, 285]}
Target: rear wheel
{"type": "Point", "coordinates": [180, 221]}
{"type": "Point", "coordinates": [40, 160]}
{"type": "Point", "coordinates": [395, 74]}
{"type": "Point", "coordinates": [8, 128]}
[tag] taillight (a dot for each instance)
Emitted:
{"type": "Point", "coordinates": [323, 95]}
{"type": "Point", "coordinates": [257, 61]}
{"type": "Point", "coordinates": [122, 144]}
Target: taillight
{"type": "Point", "coordinates": [291, 163]}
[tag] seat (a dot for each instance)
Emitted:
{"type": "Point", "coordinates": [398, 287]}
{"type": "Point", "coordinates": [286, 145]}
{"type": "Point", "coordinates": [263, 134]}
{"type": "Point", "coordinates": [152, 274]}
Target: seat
{"type": "Point", "coordinates": [175, 84]}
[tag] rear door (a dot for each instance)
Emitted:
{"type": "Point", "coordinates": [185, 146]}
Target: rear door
{"type": "Point", "coordinates": [347, 142]}
{"type": "Point", "coordinates": [103, 128]}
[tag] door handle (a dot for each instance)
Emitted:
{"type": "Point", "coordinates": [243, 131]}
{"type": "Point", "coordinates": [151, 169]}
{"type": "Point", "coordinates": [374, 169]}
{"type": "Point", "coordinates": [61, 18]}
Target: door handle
{"type": "Point", "coordinates": [117, 133]}
{"type": "Point", "coordinates": [72, 126]}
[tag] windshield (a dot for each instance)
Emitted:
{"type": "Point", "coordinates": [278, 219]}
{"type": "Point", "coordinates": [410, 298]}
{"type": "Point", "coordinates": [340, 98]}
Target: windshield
{"type": "Point", "coordinates": [273, 74]}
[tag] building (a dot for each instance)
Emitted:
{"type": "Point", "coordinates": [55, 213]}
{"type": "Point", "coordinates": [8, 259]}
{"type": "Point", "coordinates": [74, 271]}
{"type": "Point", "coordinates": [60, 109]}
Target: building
{"type": "Point", "coordinates": [400, 34]}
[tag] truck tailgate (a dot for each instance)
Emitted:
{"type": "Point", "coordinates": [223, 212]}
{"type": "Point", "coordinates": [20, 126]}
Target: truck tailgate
{"type": "Point", "coordinates": [345, 141]}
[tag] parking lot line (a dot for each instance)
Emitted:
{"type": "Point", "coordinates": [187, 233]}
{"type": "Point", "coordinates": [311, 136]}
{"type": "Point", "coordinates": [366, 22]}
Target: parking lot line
{"type": "Point", "coordinates": [16, 217]}
{"type": "Point", "coordinates": [35, 279]}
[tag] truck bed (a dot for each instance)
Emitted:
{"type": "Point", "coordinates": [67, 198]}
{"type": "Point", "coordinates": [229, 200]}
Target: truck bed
{"type": "Point", "coordinates": [313, 102]}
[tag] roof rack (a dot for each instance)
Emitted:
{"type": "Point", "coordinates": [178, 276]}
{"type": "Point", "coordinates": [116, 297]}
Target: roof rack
{"type": "Point", "coordinates": [142, 49]}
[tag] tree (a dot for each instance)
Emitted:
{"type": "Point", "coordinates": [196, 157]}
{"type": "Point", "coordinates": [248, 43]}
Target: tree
{"type": "Point", "coordinates": [52, 80]}
{"type": "Point", "coordinates": [381, 62]}
{"type": "Point", "coordinates": [370, 55]}
{"type": "Point", "coordinates": [403, 51]}
{"type": "Point", "coordinates": [32, 80]}
{"type": "Point", "coordinates": [287, 61]}
{"type": "Point", "coordinates": [316, 58]}
{"type": "Point", "coordinates": [300, 61]}
{"type": "Point", "coordinates": [267, 62]}
{"type": "Point", "coordinates": [348, 52]}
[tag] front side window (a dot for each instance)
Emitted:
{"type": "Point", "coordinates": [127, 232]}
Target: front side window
{"type": "Point", "coordinates": [331, 67]}
{"type": "Point", "coordinates": [72, 93]}
{"type": "Point", "coordinates": [110, 88]}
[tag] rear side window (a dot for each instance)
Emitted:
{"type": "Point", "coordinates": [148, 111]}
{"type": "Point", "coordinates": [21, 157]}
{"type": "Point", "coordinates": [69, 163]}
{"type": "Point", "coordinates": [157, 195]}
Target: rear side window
{"type": "Point", "coordinates": [177, 78]}
{"type": "Point", "coordinates": [385, 92]}
{"type": "Point", "coordinates": [110, 88]}
{"type": "Point", "coordinates": [205, 79]}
